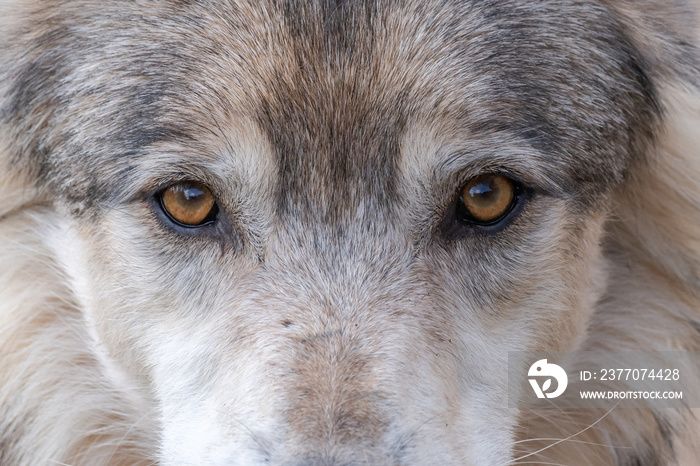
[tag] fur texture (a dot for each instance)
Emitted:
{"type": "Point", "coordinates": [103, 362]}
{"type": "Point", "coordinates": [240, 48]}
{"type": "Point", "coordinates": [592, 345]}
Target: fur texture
{"type": "Point", "coordinates": [336, 313]}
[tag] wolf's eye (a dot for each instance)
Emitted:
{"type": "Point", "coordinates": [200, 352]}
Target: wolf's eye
{"type": "Point", "coordinates": [189, 203]}
{"type": "Point", "coordinates": [486, 199]}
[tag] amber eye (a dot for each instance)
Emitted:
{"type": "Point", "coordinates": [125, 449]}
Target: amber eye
{"type": "Point", "coordinates": [488, 198]}
{"type": "Point", "coordinates": [189, 203]}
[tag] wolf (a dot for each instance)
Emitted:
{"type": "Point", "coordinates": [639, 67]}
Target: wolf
{"type": "Point", "coordinates": [310, 232]}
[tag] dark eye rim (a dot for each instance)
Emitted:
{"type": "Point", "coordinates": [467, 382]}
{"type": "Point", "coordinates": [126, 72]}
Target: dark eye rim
{"type": "Point", "coordinates": [465, 215]}
{"type": "Point", "coordinates": [209, 220]}
{"type": "Point", "coordinates": [462, 222]}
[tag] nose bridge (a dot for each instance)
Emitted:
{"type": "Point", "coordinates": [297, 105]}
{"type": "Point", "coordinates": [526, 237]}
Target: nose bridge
{"type": "Point", "coordinates": [342, 264]}
{"type": "Point", "coordinates": [336, 401]}
{"type": "Point", "coordinates": [335, 300]}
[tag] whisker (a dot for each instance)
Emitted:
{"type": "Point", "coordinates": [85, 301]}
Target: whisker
{"type": "Point", "coordinates": [569, 437]}
{"type": "Point", "coordinates": [574, 441]}
{"type": "Point", "coordinates": [53, 461]}
{"type": "Point", "coordinates": [126, 434]}
{"type": "Point", "coordinates": [539, 462]}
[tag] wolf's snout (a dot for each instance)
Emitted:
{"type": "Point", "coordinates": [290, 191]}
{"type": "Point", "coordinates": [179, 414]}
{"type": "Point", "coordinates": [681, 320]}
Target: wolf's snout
{"type": "Point", "coordinates": [337, 388]}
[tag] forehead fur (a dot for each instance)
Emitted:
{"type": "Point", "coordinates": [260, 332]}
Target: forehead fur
{"type": "Point", "coordinates": [333, 86]}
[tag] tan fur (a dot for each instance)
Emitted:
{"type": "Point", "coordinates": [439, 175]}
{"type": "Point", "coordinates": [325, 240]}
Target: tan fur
{"type": "Point", "coordinates": [652, 239]}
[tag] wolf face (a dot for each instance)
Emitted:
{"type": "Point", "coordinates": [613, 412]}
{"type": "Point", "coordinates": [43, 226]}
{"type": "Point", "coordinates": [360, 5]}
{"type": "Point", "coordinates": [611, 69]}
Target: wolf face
{"type": "Point", "coordinates": [338, 304]}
